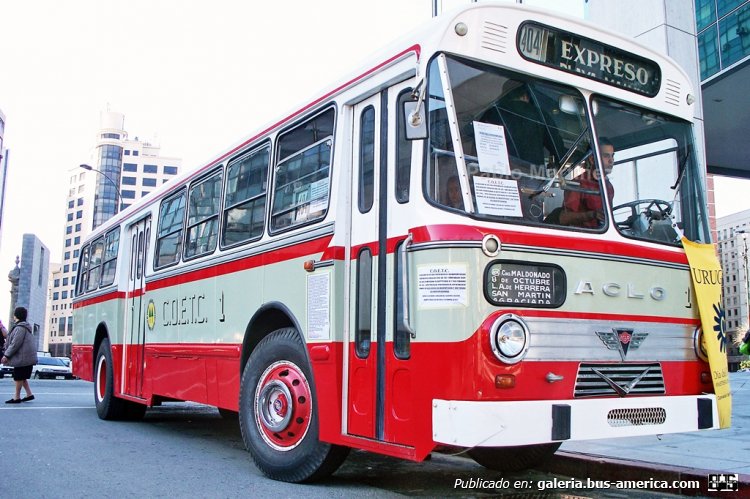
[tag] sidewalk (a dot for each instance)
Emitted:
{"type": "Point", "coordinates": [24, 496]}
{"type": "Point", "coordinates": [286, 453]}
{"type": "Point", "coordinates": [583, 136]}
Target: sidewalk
{"type": "Point", "coordinates": [674, 456]}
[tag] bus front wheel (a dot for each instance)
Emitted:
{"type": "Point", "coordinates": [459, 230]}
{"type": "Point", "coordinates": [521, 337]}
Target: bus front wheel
{"type": "Point", "coordinates": [108, 406]}
{"type": "Point", "coordinates": [278, 415]}
{"type": "Point", "coordinates": [513, 458]}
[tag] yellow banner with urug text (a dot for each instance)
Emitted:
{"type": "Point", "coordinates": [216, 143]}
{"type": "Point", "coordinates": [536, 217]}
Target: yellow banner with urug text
{"type": "Point", "coordinates": [707, 278]}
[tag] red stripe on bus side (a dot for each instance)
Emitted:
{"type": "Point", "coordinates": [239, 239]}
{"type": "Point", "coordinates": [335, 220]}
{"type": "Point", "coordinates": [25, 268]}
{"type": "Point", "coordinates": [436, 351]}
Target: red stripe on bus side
{"type": "Point", "coordinates": [432, 233]}
{"type": "Point", "coordinates": [276, 256]}
{"type": "Point", "coordinates": [99, 299]}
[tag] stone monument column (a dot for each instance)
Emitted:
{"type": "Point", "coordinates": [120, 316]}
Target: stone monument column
{"type": "Point", "coordinates": [13, 276]}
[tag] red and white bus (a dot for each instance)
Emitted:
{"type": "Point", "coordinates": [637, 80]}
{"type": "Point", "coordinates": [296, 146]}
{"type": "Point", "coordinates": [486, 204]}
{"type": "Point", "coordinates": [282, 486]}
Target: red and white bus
{"type": "Point", "coordinates": [469, 242]}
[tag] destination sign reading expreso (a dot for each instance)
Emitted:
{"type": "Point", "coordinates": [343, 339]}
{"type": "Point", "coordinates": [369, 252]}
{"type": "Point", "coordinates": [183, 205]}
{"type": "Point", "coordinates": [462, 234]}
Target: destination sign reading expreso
{"type": "Point", "coordinates": [525, 284]}
{"type": "Point", "coordinates": [585, 57]}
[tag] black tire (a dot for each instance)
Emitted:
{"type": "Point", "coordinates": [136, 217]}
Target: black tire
{"type": "Point", "coordinates": [513, 458]}
{"type": "Point", "coordinates": [107, 405]}
{"type": "Point", "coordinates": [36, 375]}
{"type": "Point", "coordinates": [278, 413]}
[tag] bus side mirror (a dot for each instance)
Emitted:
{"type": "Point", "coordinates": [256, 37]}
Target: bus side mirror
{"type": "Point", "coordinates": [414, 120]}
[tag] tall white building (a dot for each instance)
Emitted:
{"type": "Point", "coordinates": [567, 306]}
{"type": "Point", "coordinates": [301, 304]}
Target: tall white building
{"type": "Point", "coordinates": [733, 232]}
{"type": "Point", "coordinates": [120, 171]}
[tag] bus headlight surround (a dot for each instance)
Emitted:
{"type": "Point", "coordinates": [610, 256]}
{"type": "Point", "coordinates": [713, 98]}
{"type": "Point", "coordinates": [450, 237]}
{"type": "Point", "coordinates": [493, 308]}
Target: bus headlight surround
{"type": "Point", "coordinates": [509, 338]}
{"type": "Point", "coordinates": [698, 347]}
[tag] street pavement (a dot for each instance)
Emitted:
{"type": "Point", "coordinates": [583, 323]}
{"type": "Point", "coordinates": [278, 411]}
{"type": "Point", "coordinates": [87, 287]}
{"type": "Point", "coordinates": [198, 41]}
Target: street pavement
{"type": "Point", "coordinates": [673, 457]}
{"type": "Point", "coordinates": [678, 455]}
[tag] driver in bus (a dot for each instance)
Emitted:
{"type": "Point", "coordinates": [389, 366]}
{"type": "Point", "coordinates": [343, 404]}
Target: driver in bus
{"type": "Point", "coordinates": [586, 209]}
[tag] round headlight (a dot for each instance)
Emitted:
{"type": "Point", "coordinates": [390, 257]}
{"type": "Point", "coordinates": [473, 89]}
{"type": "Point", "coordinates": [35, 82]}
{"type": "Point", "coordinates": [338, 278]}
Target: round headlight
{"type": "Point", "coordinates": [509, 339]}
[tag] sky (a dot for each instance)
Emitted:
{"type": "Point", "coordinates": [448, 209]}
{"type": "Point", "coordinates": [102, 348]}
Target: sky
{"type": "Point", "coordinates": [192, 76]}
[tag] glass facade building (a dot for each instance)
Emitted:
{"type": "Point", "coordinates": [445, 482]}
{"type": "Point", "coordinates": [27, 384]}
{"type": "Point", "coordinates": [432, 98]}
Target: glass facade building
{"type": "Point", "coordinates": [723, 28]}
{"type": "Point", "coordinates": [107, 194]}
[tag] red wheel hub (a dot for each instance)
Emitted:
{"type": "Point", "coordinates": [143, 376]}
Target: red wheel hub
{"type": "Point", "coordinates": [283, 405]}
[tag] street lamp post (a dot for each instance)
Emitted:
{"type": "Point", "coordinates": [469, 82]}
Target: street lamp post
{"type": "Point", "coordinates": [746, 275]}
{"type": "Point", "coordinates": [114, 184]}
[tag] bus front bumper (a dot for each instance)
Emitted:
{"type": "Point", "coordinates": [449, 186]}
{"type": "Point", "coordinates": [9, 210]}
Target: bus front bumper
{"type": "Point", "coordinates": [510, 423]}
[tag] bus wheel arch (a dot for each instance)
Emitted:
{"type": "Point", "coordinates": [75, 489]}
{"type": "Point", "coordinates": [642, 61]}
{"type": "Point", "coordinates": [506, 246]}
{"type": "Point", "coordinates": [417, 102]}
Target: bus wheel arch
{"type": "Point", "coordinates": [279, 418]}
{"type": "Point", "coordinates": [267, 319]}
{"type": "Point", "coordinates": [101, 334]}
{"type": "Point", "coordinates": [108, 405]}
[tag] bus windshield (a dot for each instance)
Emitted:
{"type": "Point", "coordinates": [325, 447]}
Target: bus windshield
{"type": "Point", "coordinates": [506, 147]}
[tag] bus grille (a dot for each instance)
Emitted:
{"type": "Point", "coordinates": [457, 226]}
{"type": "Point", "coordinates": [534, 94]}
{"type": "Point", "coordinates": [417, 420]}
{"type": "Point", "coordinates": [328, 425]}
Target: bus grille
{"type": "Point", "coordinates": [596, 380]}
{"type": "Point", "coordinates": [636, 417]}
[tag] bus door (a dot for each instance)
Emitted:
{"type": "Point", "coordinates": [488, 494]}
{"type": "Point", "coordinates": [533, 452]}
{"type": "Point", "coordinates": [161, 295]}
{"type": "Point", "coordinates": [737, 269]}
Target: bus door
{"type": "Point", "coordinates": [370, 367]}
{"type": "Point", "coordinates": [135, 333]}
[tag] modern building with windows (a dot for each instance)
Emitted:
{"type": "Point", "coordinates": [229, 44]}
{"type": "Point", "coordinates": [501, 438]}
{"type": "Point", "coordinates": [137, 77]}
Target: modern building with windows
{"type": "Point", "coordinates": [119, 172]}
{"type": "Point", "coordinates": [723, 29]}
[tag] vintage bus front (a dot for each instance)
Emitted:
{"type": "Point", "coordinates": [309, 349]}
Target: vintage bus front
{"type": "Point", "coordinates": [553, 300]}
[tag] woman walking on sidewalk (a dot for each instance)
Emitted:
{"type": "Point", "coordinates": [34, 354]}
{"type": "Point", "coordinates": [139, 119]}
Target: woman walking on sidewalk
{"type": "Point", "coordinates": [20, 352]}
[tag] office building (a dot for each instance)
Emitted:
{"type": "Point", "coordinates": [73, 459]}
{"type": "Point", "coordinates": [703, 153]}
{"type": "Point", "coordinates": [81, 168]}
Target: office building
{"type": "Point", "coordinates": [723, 28]}
{"type": "Point", "coordinates": [120, 171]}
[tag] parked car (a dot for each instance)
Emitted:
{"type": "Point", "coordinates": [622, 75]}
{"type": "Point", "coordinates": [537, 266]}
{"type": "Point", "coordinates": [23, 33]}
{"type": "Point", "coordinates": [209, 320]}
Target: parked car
{"type": "Point", "coordinates": [51, 367]}
{"type": "Point", "coordinates": [5, 370]}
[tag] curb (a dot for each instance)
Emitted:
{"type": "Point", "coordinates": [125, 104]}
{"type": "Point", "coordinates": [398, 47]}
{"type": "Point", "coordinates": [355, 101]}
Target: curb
{"type": "Point", "coordinates": [596, 467]}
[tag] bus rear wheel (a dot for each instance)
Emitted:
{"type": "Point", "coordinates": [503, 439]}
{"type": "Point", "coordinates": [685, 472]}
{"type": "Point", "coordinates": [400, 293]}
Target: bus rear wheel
{"type": "Point", "coordinates": [278, 415]}
{"type": "Point", "coordinates": [513, 458]}
{"type": "Point", "coordinates": [107, 405]}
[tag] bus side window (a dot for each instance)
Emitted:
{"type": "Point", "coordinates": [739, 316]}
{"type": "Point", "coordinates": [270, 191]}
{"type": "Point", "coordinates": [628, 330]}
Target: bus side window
{"type": "Point", "coordinates": [245, 198]}
{"type": "Point", "coordinates": [83, 270]}
{"type": "Point", "coordinates": [111, 245]}
{"type": "Point", "coordinates": [203, 216]}
{"type": "Point", "coordinates": [366, 159]}
{"type": "Point", "coordinates": [169, 235]}
{"type": "Point", "coordinates": [364, 303]}
{"type": "Point", "coordinates": [403, 151]}
{"type": "Point", "coordinates": [401, 336]}
{"type": "Point", "coordinates": [303, 170]}
{"type": "Point", "coordinates": [95, 262]}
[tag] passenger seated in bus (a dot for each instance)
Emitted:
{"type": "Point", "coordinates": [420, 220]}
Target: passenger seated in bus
{"type": "Point", "coordinates": [586, 209]}
{"type": "Point", "coordinates": [528, 131]}
{"type": "Point", "coordinates": [453, 197]}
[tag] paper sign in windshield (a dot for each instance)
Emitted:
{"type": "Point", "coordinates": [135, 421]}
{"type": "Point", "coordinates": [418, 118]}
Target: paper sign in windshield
{"type": "Point", "coordinates": [497, 196]}
{"type": "Point", "coordinates": [492, 152]}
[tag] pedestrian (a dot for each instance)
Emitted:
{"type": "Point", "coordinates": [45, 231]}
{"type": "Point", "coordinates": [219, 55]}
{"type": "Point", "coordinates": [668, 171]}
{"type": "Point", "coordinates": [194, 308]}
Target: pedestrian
{"type": "Point", "coordinates": [20, 352]}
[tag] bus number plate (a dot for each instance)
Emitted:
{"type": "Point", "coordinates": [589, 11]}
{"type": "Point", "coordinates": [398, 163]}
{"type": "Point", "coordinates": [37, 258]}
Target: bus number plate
{"type": "Point", "coordinates": [533, 42]}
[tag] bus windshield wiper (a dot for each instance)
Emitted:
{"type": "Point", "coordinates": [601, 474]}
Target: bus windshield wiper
{"type": "Point", "coordinates": [681, 168]}
{"type": "Point", "coordinates": [562, 163]}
